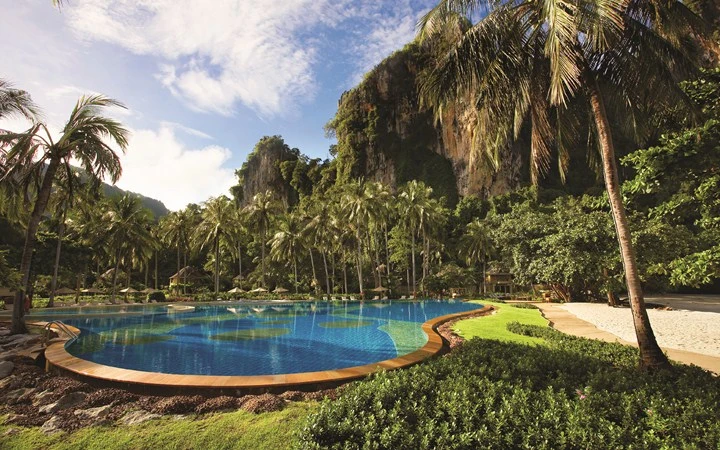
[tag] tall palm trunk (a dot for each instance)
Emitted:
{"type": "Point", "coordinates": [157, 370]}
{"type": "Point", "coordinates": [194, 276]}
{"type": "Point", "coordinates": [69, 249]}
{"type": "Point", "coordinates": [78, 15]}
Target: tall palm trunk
{"type": "Point", "coordinates": [240, 265]}
{"type": "Point", "coordinates": [412, 246]}
{"type": "Point", "coordinates": [185, 273]}
{"type": "Point", "coordinates": [18, 321]}
{"type": "Point", "coordinates": [114, 278]}
{"type": "Point", "coordinates": [651, 356]}
{"type": "Point", "coordinates": [53, 283]}
{"type": "Point", "coordinates": [359, 263]}
{"type": "Point", "coordinates": [217, 265]}
{"type": "Point", "coordinates": [345, 275]}
{"type": "Point", "coordinates": [387, 253]}
{"type": "Point", "coordinates": [312, 264]}
{"type": "Point", "coordinates": [295, 271]}
{"type": "Point", "coordinates": [327, 274]}
{"type": "Point", "coordinates": [147, 272]}
{"type": "Point", "coordinates": [262, 247]}
{"type": "Point", "coordinates": [156, 269]}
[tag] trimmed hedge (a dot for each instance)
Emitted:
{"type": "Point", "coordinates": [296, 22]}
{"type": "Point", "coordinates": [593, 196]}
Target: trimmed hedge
{"type": "Point", "coordinates": [573, 394]}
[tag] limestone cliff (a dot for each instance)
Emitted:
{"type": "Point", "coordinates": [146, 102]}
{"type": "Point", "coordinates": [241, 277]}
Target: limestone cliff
{"type": "Point", "coordinates": [385, 134]}
{"type": "Point", "coordinates": [262, 171]}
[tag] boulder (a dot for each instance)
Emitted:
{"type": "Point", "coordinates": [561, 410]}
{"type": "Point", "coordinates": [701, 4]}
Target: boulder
{"type": "Point", "coordinates": [136, 417]}
{"type": "Point", "coordinates": [5, 368]}
{"type": "Point", "coordinates": [65, 402]}
{"type": "Point", "coordinates": [51, 426]}
{"type": "Point", "coordinates": [97, 413]}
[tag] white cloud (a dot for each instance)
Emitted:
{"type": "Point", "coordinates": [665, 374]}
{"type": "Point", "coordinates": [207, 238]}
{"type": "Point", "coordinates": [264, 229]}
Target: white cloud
{"type": "Point", "coordinates": [160, 166]}
{"type": "Point", "coordinates": [220, 53]}
{"type": "Point", "coordinates": [390, 30]}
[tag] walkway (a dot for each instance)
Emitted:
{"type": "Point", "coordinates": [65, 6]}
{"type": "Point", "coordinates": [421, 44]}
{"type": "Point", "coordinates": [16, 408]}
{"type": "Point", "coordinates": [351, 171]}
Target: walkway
{"type": "Point", "coordinates": [568, 323]}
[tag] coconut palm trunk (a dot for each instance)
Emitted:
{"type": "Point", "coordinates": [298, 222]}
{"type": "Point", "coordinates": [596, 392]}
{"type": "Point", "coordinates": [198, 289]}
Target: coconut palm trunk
{"type": "Point", "coordinates": [412, 246]}
{"type": "Point", "coordinates": [262, 251]}
{"type": "Point", "coordinates": [359, 263]}
{"type": "Point", "coordinates": [327, 274]}
{"type": "Point", "coordinates": [651, 356]}
{"type": "Point", "coordinates": [58, 249]}
{"type": "Point", "coordinates": [114, 278]}
{"type": "Point", "coordinates": [240, 265]}
{"type": "Point", "coordinates": [295, 271]}
{"type": "Point", "coordinates": [156, 269]}
{"type": "Point", "coordinates": [312, 264]}
{"type": "Point", "coordinates": [18, 321]}
{"type": "Point", "coordinates": [217, 265]}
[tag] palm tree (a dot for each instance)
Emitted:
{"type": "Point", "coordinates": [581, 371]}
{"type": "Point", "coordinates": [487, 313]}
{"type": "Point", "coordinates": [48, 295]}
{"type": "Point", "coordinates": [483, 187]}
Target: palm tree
{"type": "Point", "coordinates": [555, 64]}
{"type": "Point", "coordinates": [218, 217]}
{"type": "Point", "coordinates": [125, 231]}
{"type": "Point", "coordinates": [67, 191]}
{"type": "Point", "coordinates": [287, 242]}
{"type": "Point", "coordinates": [318, 231]}
{"type": "Point", "coordinates": [357, 213]}
{"type": "Point", "coordinates": [16, 102]}
{"type": "Point", "coordinates": [259, 214]}
{"type": "Point", "coordinates": [34, 154]}
{"type": "Point", "coordinates": [412, 205]}
{"type": "Point", "coordinates": [476, 246]}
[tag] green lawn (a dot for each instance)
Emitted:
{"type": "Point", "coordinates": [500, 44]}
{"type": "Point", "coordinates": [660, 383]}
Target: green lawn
{"type": "Point", "coordinates": [236, 430]}
{"type": "Point", "coordinates": [495, 325]}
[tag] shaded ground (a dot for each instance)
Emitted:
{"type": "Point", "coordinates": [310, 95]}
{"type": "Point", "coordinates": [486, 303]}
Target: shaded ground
{"type": "Point", "coordinates": [691, 302]}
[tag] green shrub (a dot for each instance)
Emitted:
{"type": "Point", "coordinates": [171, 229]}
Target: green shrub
{"type": "Point", "coordinates": [574, 393]}
{"type": "Point", "coordinates": [158, 296]}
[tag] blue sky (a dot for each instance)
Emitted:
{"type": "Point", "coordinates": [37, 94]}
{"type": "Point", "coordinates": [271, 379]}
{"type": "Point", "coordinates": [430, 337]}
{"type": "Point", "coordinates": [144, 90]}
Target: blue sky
{"type": "Point", "coordinates": [203, 80]}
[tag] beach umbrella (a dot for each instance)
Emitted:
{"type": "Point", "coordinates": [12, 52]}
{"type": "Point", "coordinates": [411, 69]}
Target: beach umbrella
{"type": "Point", "coordinates": [92, 291]}
{"type": "Point", "coordinates": [259, 290]}
{"type": "Point", "coordinates": [128, 291]}
{"type": "Point", "coordinates": [379, 289]}
{"type": "Point", "coordinates": [149, 290]}
{"type": "Point", "coordinates": [64, 291]}
{"type": "Point", "coordinates": [236, 290]}
{"type": "Point", "coordinates": [280, 290]}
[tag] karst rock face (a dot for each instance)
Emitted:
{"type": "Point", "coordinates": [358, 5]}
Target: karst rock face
{"type": "Point", "coordinates": [385, 134]}
{"type": "Point", "coordinates": [262, 171]}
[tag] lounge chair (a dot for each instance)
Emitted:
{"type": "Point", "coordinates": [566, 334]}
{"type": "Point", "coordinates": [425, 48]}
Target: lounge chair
{"type": "Point", "coordinates": [345, 298]}
{"type": "Point", "coordinates": [376, 298]}
{"type": "Point", "coordinates": [404, 297]}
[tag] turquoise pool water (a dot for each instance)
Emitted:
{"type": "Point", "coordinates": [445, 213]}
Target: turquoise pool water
{"type": "Point", "coordinates": [243, 339]}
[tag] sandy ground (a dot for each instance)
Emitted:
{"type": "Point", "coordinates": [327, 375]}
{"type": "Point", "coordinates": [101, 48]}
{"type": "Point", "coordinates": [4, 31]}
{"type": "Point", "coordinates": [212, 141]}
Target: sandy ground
{"type": "Point", "coordinates": [693, 331]}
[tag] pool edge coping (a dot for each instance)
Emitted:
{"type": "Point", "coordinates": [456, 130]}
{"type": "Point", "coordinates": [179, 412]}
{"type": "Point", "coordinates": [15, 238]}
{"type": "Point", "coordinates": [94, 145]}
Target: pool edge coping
{"type": "Point", "coordinates": [57, 356]}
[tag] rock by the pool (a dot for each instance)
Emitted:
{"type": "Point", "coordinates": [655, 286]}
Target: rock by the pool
{"type": "Point", "coordinates": [6, 367]}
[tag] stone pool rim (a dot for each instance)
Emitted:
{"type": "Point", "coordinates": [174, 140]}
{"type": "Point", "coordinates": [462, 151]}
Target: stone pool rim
{"type": "Point", "coordinates": [58, 357]}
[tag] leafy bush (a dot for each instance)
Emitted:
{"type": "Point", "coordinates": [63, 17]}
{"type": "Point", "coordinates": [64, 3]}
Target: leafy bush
{"type": "Point", "coordinates": [574, 393]}
{"type": "Point", "coordinates": [158, 296]}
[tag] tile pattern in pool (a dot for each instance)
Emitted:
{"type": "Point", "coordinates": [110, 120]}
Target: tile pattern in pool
{"type": "Point", "coordinates": [241, 339]}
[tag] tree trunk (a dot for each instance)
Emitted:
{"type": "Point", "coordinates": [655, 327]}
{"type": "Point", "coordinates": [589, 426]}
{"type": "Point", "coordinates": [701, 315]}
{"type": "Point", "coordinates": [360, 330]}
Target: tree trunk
{"type": "Point", "coordinates": [651, 356]}
{"type": "Point", "coordinates": [387, 253]}
{"type": "Point", "coordinates": [359, 265]}
{"type": "Point", "coordinates": [53, 283]}
{"type": "Point", "coordinates": [240, 265]}
{"type": "Point", "coordinates": [345, 276]}
{"type": "Point", "coordinates": [156, 269]}
{"type": "Point", "coordinates": [18, 321]}
{"type": "Point", "coordinates": [412, 246]}
{"type": "Point", "coordinates": [314, 280]}
{"type": "Point", "coordinates": [295, 270]}
{"type": "Point", "coordinates": [262, 247]}
{"type": "Point", "coordinates": [114, 278]}
{"type": "Point", "coordinates": [327, 274]}
{"type": "Point", "coordinates": [147, 272]}
{"type": "Point", "coordinates": [217, 265]}
{"type": "Point", "coordinates": [484, 279]}
{"type": "Point", "coordinates": [185, 273]}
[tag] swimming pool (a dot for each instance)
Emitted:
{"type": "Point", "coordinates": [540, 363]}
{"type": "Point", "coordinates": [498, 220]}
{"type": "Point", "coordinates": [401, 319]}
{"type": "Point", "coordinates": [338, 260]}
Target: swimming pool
{"type": "Point", "coordinates": [248, 340]}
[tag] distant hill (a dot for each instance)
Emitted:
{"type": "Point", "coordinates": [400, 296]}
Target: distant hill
{"type": "Point", "coordinates": [155, 206]}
